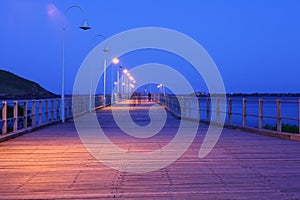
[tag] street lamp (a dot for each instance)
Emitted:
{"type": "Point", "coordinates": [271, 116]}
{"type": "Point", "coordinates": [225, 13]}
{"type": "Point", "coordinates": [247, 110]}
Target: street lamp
{"type": "Point", "coordinates": [162, 89]}
{"type": "Point", "coordinates": [91, 72]}
{"type": "Point", "coordinates": [118, 83]}
{"type": "Point", "coordinates": [83, 27]}
{"type": "Point", "coordinates": [127, 83]}
{"type": "Point", "coordinates": [114, 61]}
{"type": "Point", "coordinates": [104, 78]}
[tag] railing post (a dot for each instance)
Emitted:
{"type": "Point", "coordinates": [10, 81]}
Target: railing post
{"type": "Point", "coordinates": [244, 111]}
{"type": "Point", "coordinates": [58, 117]}
{"type": "Point", "coordinates": [177, 105]}
{"type": "Point", "coordinates": [47, 111]}
{"type": "Point", "coordinates": [174, 99]}
{"type": "Point", "coordinates": [278, 114]}
{"type": "Point", "coordinates": [190, 107]}
{"type": "Point", "coordinates": [299, 115]}
{"type": "Point", "coordinates": [52, 110]}
{"type": "Point", "coordinates": [260, 113]}
{"type": "Point", "coordinates": [218, 109]}
{"type": "Point", "coordinates": [199, 109]}
{"type": "Point", "coordinates": [86, 100]}
{"type": "Point", "coordinates": [77, 102]}
{"type": "Point", "coordinates": [208, 109]}
{"type": "Point", "coordinates": [158, 99]}
{"type": "Point", "coordinates": [74, 104]}
{"type": "Point", "coordinates": [15, 116]}
{"type": "Point", "coordinates": [4, 117]}
{"type": "Point", "coordinates": [183, 109]}
{"type": "Point", "coordinates": [80, 103]}
{"type": "Point", "coordinates": [84, 104]}
{"type": "Point", "coordinates": [168, 102]}
{"type": "Point", "coordinates": [172, 104]}
{"type": "Point", "coordinates": [33, 113]}
{"type": "Point", "coordinates": [230, 111]}
{"type": "Point", "coordinates": [25, 109]}
{"type": "Point", "coordinates": [40, 111]}
{"type": "Point", "coordinates": [68, 107]}
{"type": "Point", "coordinates": [102, 101]}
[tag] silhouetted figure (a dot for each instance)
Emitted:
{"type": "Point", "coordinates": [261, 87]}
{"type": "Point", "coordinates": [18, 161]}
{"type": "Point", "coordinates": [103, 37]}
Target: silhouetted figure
{"type": "Point", "coordinates": [149, 96]}
{"type": "Point", "coordinates": [134, 98]}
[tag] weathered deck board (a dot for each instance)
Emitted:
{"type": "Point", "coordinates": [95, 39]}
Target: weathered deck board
{"type": "Point", "coordinates": [52, 163]}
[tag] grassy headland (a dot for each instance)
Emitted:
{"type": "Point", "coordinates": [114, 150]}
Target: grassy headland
{"type": "Point", "coordinates": [15, 87]}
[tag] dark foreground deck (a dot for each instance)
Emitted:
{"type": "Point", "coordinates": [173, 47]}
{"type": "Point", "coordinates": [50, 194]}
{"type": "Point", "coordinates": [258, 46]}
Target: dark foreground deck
{"type": "Point", "coordinates": [52, 163]}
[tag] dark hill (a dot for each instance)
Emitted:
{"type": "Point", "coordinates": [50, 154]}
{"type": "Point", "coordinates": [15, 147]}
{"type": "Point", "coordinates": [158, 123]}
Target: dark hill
{"type": "Point", "coordinates": [15, 87]}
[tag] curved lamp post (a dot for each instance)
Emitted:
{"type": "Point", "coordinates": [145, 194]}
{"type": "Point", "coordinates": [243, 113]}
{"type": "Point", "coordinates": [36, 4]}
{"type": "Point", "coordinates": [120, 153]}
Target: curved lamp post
{"type": "Point", "coordinates": [115, 61]}
{"type": "Point", "coordinates": [84, 26]}
{"type": "Point", "coordinates": [91, 77]}
{"type": "Point", "coordinates": [127, 83]}
{"type": "Point", "coordinates": [119, 93]}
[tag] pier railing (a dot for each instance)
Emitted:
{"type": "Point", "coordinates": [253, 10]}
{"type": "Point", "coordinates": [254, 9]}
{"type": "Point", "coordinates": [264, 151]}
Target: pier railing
{"type": "Point", "coordinates": [18, 115]}
{"type": "Point", "coordinates": [257, 113]}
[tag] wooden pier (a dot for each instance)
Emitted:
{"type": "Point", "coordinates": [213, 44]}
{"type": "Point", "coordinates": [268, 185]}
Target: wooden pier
{"type": "Point", "coordinates": [52, 163]}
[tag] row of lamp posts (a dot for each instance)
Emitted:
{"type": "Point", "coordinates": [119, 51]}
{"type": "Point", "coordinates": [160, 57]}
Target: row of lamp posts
{"type": "Point", "coordinates": [125, 89]}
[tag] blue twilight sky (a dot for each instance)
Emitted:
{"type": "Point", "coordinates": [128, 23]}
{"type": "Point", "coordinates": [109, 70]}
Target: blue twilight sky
{"type": "Point", "coordinates": [255, 44]}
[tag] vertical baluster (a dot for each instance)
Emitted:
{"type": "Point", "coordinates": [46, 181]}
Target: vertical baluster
{"type": "Point", "coordinates": [244, 111]}
{"type": "Point", "coordinates": [218, 109]}
{"type": "Point", "coordinates": [66, 108]}
{"type": "Point", "coordinates": [190, 107]}
{"type": "Point", "coordinates": [198, 111]}
{"type": "Point", "coordinates": [230, 111]}
{"type": "Point", "coordinates": [299, 115]}
{"type": "Point", "coordinates": [33, 113]}
{"type": "Point", "coordinates": [25, 114]}
{"type": "Point", "coordinates": [260, 113]}
{"type": "Point", "coordinates": [52, 110]}
{"type": "Point", "coordinates": [15, 117]}
{"type": "Point", "coordinates": [69, 110]}
{"type": "Point", "coordinates": [184, 107]}
{"type": "Point", "coordinates": [278, 114]}
{"type": "Point", "coordinates": [4, 117]}
{"type": "Point", "coordinates": [178, 109]}
{"type": "Point", "coordinates": [40, 111]}
{"type": "Point", "coordinates": [46, 111]}
{"type": "Point", "coordinates": [158, 99]}
{"type": "Point", "coordinates": [208, 109]}
{"type": "Point", "coordinates": [58, 107]}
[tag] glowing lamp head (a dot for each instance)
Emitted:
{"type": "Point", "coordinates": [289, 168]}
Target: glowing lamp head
{"type": "Point", "coordinates": [115, 60]}
{"type": "Point", "coordinates": [125, 71]}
